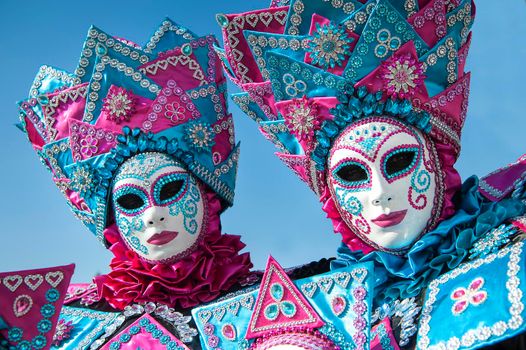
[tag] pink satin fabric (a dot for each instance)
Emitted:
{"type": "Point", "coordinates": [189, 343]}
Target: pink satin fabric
{"type": "Point", "coordinates": [144, 339]}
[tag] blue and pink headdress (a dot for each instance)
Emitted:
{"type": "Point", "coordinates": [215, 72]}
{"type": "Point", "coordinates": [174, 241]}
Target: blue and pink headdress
{"type": "Point", "coordinates": [167, 96]}
{"type": "Point", "coordinates": [309, 69]}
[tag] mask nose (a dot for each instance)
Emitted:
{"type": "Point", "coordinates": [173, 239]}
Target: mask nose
{"type": "Point", "coordinates": [154, 217]}
{"type": "Point", "coordinates": [383, 200]}
{"type": "Point", "coordinates": [380, 194]}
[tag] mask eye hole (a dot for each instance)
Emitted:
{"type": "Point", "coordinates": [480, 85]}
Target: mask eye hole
{"type": "Point", "coordinates": [170, 188]}
{"type": "Point", "coordinates": [130, 200]}
{"type": "Point", "coordinates": [352, 174]}
{"type": "Point", "coordinates": [400, 162]}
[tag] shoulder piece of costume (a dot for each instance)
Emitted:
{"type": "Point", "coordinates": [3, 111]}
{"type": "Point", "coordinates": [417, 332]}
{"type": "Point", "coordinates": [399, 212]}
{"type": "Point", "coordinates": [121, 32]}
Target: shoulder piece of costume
{"type": "Point", "coordinates": [325, 311]}
{"type": "Point", "coordinates": [139, 140]}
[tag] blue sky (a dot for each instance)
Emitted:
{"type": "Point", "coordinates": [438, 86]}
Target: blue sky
{"type": "Point", "coordinates": [274, 212]}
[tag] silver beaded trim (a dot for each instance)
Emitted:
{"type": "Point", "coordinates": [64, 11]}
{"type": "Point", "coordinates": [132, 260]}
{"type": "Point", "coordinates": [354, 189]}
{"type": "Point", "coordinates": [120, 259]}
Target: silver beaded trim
{"type": "Point", "coordinates": [166, 27]}
{"type": "Point", "coordinates": [51, 151]}
{"type": "Point", "coordinates": [481, 333]}
{"type": "Point", "coordinates": [175, 60]}
{"type": "Point", "coordinates": [46, 71]}
{"type": "Point", "coordinates": [228, 164]}
{"type": "Point", "coordinates": [245, 22]}
{"type": "Point", "coordinates": [272, 270]}
{"type": "Point", "coordinates": [298, 7]}
{"type": "Point", "coordinates": [243, 101]}
{"type": "Point", "coordinates": [271, 132]}
{"type": "Point", "coordinates": [260, 42]}
{"type": "Point", "coordinates": [97, 77]}
{"type": "Point", "coordinates": [51, 107]}
{"type": "Point", "coordinates": [95, 36]}
{"type": "Point", "coordinates": [211, 180]}
{"type": "Point", "coordinates": [106, 318]}
{"type": "Point", "coordinates": [211, 91]}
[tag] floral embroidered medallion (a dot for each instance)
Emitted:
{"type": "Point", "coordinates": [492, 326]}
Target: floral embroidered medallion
{"type": "Point", "coordinates": [119, 104]}
{"type": "Point", "coordinates": [81, 180]}
{"type": "Point", "coordinates": [330, 46]}
{"type": "Point", "coordinates": [174, 112]}
{"type": "Point", "coordinates": [402, 75]}
{"type": "Point", "coordinates": [199, 136]}
{"type": "Point", "coordinates": [472, 295]}
{"type": "Point", "coordinates": [302, 119]}
{"type": "Point", "coordinates": [89, 146]}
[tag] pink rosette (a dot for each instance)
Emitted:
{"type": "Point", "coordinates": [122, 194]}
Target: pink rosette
{"type": "Point", "coordinates": [214, 266]}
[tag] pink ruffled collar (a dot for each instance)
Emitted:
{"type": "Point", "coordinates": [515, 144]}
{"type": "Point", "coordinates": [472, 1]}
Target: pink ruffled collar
{"type": "Point", "coordinates": [212, 268]}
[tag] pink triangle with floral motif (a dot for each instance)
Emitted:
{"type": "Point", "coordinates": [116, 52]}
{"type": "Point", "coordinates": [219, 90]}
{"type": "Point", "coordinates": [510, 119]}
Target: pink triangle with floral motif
{"type": "Point", "coordinates": [87, 140]}
{"type": "Point", "coordinates": [280, 305]}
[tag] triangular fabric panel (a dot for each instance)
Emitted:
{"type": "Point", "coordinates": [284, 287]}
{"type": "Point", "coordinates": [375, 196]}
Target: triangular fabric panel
{"type": "Point", "coordinates": [30, 303]}
{"type": "Point", "coordinates": [280, 304]}
{"type": "Point", "coordinates": [144, 333]}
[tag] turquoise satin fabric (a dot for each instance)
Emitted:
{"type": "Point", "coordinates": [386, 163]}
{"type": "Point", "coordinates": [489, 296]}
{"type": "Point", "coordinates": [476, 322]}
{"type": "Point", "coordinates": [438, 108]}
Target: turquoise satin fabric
{"type": "Point", "coordinates": [88, 326]}
{"type": "Point", "coordinates": [497, 316]}
{"type": "Point", "coordinates": [438, 251]}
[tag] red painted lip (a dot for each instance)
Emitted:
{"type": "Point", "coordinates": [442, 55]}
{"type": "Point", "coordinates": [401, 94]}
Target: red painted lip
{"type": "Point", "coordinates": [162, 238]}
{"type": "Point", "coordinates": [392, 219]}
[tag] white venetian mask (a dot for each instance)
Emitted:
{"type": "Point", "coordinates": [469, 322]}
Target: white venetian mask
{"type": "Point", "coordinates": [159, 207]}
{"type": "Point", "coordinates": [382, 178]}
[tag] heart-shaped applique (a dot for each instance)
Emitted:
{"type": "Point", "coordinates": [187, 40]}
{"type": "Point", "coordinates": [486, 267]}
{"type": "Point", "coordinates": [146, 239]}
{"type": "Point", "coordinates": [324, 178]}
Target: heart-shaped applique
{"type": "Point", "coordinates": [242, 68]}
{"type": "Point", "coordinates": [193, 65]}
{"type": "Point", "coordinates": [54, 278]}
{"type": "Point", "coordinates": [173, 60]}
{"type": "Point", "coordinates": [12, 282]}
{"type": "Point", "coordinates": [281, 17]}
{"type": "Point", "coordinates": [247, 302]}
{"type": "Point", "coordinates": [239, 22]}
{"type": "Point", "coordinates": [204, 316]}
{"type": "Point", "coordinates": [252, 19]}
{"type": "Point", "coordinates": [219, 313]}
{"type": "Point", "coordinates": [33, 281]}
{"type": "Point", "coordinates": [266, 18]}
{"type": "Point", "coordinates": [22, 305]}
{"type": "Point", "coordinates": [233, 308]}
{"type": "Point", "coordinates": [359, 274]}
{"type": "Point", "coordinates": [342, 279]}
{"type": "Point", "coordinates": [164, 64]}
{"type": "Point", "coordinates": [238, 55]}
{"type": "Point", "coordinates": [325, 284]}
{"type": "Point", "coordinates": [309, 289]}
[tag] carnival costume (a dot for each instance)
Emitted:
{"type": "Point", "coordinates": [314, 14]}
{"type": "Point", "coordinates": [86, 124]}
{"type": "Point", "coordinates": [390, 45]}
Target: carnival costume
{"type": "Point", "coordinates": [366, 101]}
{"type": "Point", "coordinates": [140, 143]}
